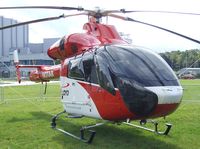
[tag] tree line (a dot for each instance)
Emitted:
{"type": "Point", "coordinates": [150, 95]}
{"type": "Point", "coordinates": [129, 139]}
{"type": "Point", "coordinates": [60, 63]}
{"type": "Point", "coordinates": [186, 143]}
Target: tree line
{"type": "Point", "coordinates": [182, 59]}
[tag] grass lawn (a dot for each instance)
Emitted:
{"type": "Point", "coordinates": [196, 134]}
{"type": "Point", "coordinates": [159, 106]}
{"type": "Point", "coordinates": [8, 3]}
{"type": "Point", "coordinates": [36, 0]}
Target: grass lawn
{"type": "Point", "coordinates": [25, 116]}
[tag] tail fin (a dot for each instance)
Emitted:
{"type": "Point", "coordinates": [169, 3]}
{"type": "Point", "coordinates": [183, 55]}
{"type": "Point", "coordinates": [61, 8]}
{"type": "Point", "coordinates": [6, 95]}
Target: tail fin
{"type": "Point", "coordinates": [16, 62]}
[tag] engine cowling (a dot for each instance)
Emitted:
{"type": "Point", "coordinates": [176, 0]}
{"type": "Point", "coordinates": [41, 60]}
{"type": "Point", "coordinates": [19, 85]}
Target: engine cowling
{"type": "Point", "coordinates": [72, 45]}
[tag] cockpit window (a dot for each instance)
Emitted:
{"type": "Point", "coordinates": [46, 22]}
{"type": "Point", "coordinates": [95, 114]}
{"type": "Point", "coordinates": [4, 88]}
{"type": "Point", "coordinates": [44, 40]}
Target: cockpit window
{"type": "Point", "coordinates": [103, 73]}
{"type": "Point", "coordinates": [83, 68]}
{"type": "Point", "coordinates": [89, 69]}
{"type": "Point", "coordinates": [75, 68]}
{"type": "Point", "coordinates": [139, 65]}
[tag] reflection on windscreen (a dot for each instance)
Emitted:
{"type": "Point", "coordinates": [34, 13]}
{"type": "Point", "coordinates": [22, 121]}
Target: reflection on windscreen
{"type": "Point", "coordinates": [140, 65]}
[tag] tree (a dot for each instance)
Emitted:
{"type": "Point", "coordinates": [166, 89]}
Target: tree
{"type": "Point", "coordinates": [182, 59]}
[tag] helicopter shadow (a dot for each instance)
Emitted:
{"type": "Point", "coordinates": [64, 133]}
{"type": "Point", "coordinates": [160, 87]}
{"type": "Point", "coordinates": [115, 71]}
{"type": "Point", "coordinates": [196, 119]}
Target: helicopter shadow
{"type": "Point", "coordinates": [34, 116]}
{"type": "Point", "coordinates": [119, 138]}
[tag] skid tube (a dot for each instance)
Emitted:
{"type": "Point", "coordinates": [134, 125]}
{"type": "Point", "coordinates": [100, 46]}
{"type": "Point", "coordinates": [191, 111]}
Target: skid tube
{"type": "Point", "coordinates": [82, 130]}
{"type": "Point", "coordinates": [155, 130]}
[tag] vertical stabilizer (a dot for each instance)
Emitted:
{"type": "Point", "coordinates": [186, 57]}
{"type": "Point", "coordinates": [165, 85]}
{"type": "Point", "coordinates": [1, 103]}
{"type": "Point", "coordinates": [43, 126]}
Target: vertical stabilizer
{"type": "Point", "coordinates": [15, 56]}
{"type": "Point", "coordinates": [16, 61]}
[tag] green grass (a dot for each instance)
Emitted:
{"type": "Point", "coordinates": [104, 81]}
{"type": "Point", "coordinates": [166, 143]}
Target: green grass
{"type": "Point", "coordinates": [25, 117]}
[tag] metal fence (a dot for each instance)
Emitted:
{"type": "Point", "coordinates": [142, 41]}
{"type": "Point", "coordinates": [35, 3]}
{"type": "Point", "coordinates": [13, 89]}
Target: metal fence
{"type": "Point", "coordinates": [8, 79]}
{"type": "Point", "coordinates": [1, 94]}
{"type": "Point", "coordinates": [191, 89]}
{"type": "Point", "coordinates": [27, 90]}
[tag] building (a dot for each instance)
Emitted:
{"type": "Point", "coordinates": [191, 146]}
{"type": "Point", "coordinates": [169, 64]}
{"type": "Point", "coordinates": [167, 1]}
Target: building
{"type": "Point", "coordinates": [12, 38]}
{"type": "Point", "coordinates": [29, 53]}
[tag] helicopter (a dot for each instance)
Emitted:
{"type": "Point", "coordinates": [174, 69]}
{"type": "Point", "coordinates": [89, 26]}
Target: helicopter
{"type": "Point", "coordinates": [104, 77]}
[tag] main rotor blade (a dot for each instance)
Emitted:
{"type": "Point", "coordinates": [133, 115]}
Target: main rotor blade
{"type": "Point", "coordinates": [44, 7]}
{"type": "Point", "coordinates": [41, 20]}
{"type": "Point", "coordinates": [152, 11]}
{"type": "Point", "coordinates": [155, 26]}
{"type": "Point", "coordinates": [106, 12]}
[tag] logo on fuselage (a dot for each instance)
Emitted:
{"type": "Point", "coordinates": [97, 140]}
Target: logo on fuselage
{"type": "Point", "coordinates": [65, 93]}
{"type": "Point", "coordinates": [47, 74]}
{"type": "Point", "coordinates": [65, 86]}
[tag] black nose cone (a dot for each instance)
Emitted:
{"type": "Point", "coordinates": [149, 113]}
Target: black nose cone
{"type": "Point", "coordinates": [138, 99]}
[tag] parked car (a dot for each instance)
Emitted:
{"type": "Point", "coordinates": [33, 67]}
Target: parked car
{"type": "Point", "coordinates": [187, 76]}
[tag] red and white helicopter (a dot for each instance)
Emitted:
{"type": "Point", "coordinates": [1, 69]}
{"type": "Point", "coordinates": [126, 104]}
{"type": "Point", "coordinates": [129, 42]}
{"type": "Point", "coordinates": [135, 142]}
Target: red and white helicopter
{"type": "Point", "coordinates": [104, 77]}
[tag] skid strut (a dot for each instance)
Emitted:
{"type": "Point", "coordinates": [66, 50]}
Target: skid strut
{"type": "Point", "coordinates": [82, 130]}
{"type": "Point", "coordinates": [155, 130]}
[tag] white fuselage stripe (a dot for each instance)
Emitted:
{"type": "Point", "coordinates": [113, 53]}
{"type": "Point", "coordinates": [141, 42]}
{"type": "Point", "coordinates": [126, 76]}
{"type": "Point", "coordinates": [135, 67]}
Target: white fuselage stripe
{"type": "Point", "coordinates": [167, 94]}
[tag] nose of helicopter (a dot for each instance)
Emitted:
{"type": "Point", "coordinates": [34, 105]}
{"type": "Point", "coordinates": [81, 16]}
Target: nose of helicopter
{"type": "Point", "coordinates": [167, 94]}
{"type": "Point", "coordinates": [169, 98]}
{"type": "Point", "coordinates": [139, 100]}
{"type": "Point", "coordinates": [150, 101]}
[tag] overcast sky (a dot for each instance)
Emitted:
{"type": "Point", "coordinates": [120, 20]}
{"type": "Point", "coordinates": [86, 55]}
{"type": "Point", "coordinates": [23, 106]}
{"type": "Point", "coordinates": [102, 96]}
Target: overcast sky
{"type": "Point", "coordinates": [141, 35]}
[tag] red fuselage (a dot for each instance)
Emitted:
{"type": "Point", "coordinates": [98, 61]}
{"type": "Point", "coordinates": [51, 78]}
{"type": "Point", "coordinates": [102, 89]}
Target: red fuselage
{"type": "Point", "coordinates": [110, 106]}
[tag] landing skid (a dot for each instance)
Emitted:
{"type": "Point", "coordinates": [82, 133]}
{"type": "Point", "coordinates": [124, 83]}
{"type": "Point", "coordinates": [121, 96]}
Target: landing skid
{"type": "Point", "coordinates": [82, 130]}
{"type": "Point", "coordinates": [155, 130]}
{"type": "Point", "coordinates": [92, 132]}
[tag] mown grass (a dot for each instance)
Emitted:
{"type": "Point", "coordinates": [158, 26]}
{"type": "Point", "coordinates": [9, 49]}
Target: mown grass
{"type": "Point", "coordinates": [25, 116]}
